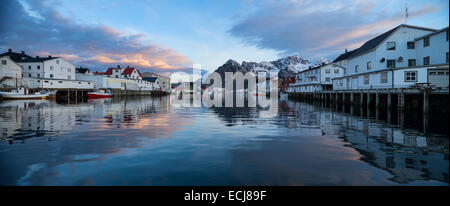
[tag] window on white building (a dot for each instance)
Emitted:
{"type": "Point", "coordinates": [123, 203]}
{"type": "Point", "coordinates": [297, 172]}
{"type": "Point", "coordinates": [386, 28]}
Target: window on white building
{"type": "Point", "coordinates": [426, 41]}
{"type": "Point", "coordinates": [341, 82]}
{"type": "Point", "coordinates": [446, 57]}
{"type": "Point", "coordinates": [3, 61]}
{"type": "Point", "coordinates": [411, 45]}
{"type": "Point", "coordinates": [369, 65]}
{"type": "Point", "coordinates": [390, 45]}
{"type": "Point", "coordinates": [327, 71]}
{"type": "Point", "coordinates": [356, 68]}
{"type": "Point", "coordinates": [38, 75]}
{"type": "Point", "coordinates": [366, 79]}
{"type": "Point", "coordinates": [336, 71]}
{"type": "Point", "coordinates": [411, 76]}
{"type": "Point", "coordinates": [426, 60]}
{"type": "Point", "coordinates": [51, 75]}
{"type": "Point", "coordinates": [390, 63]}
{"type": "Point", "coordinates": [38, 67]}
{"type": "Point", "coordinates": [383, 77]}
{"type": "Point", "coordinates": [327, 79]}
{"type": "Point", "coordinates": [57, 61]}
{"type": "Point", "coordinates": [411, 62]}
{"type": "Point", "coordinates": [29, 75]}
{"type": "Point", "coordinates": [51, 68]}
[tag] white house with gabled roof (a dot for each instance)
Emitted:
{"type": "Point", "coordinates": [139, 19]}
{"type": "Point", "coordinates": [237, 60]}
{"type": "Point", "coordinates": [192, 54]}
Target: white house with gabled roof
{"type": "Point", "coordinates": [396, 59]}
{"type": "Point", "coordinates": [10, 73]}
{"type": "Point", "coordinates": [316, 78]}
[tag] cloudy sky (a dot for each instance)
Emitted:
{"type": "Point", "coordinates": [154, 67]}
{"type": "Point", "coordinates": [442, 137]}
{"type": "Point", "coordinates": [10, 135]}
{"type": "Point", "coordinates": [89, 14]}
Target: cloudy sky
{"type": "Point", "coordinates": [165, 36]}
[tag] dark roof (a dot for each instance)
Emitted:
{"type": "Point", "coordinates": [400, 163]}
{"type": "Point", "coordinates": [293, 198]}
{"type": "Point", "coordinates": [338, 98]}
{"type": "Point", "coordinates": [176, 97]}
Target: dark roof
{"type": "Point", "coordinates": [344, 56]}
{"type": "Point", "coordinates": [373, 43]}
{"type": "Point", "coordinates": [150, 79]}
{"type": "Point", "coordinates": [40, 59]}
{"type": "Point", "coordinates": [81, 70]}
{"type": "Point", "coordinates": [15, 56]}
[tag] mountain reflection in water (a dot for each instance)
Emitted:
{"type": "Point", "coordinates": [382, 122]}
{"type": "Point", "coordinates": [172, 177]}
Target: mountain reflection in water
{"type": "Point", "coordinates": [149, 141]}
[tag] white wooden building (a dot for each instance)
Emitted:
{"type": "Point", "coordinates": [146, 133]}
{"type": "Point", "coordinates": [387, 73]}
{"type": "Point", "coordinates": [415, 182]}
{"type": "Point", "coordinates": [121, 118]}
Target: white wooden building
{"type": "Point", "coordinates": [10, 73]}
{"type": "Point", "coordinates": [46, 72]}
{"type": "Point", "coordinates": [400, 58]}
{"type": "Point", "coordinates": [316, 78]}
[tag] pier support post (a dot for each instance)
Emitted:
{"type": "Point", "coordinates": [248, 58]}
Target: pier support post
{"type": "Point", "coordinates": [425, 111]}
{"type": "Point", "coordinates": [389, 102]}
{"type": "Point", "coordinates": [351, 98]}
{"type": "Point", "coordinates": [377, 100]}
{"type": "Point", "coordinates": [361, 99]}
{"type": "Point", "coordinates": [336, 98]}
{"type": "Point", "coordinates": [369, 104]}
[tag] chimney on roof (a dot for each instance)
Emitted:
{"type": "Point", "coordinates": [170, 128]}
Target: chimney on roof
{"type": "Point", "coordinates": [23, 52]}
{"type": "Point", "coordinates": [49, 56]}
{"type": "Point", "coordinates": [9, 50]}
{"type": "Point", "coordinates": [37, 57]}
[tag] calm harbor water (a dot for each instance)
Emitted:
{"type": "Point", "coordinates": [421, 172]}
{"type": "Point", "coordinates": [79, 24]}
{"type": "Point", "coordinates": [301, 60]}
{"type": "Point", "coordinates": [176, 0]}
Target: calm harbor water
{"type": "Point", "coordinates": [149, 141]}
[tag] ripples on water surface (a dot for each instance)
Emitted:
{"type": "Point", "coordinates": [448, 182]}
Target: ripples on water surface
{"type": "Point", "coordinates": [146, 141]}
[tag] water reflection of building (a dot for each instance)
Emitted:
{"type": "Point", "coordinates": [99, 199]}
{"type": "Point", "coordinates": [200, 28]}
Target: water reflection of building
{"type": "Point", "coordinates": [406, 154]}
{"type": "Point", "coordinates": [27, 118]}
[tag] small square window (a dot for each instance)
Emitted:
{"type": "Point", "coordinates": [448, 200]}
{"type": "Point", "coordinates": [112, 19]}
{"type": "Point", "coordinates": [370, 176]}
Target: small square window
{"type": "Point", "coordinates": [411, 45]}
{"type": "Point", "coordinates": [3, 61]}
{"type": "Point", "coordinates": [411, 76]}
{"type": "Point", "coordinates": [390, 45]}
{"type": "Point", "coordinates": [366, 79]}
{"type": "Point", "coordinates": [369, 65]}
{"type": "Point", "coordinates": [390, 63]}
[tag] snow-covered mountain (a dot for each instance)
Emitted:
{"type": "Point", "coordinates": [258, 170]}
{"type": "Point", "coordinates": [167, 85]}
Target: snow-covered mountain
{"type": "Point", "coordinates": [284, 67]}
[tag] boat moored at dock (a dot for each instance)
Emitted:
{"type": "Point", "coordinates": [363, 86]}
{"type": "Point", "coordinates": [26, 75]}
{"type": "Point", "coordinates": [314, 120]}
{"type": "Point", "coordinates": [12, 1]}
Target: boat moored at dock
{"type": "Point", "coordinates": [22, 93]}
{"type": "Point", "coordinates": [99, 94]}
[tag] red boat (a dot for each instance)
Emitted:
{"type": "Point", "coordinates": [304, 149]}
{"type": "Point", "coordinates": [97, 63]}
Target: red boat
{"type": "Point", "coordinates": [99, 94]}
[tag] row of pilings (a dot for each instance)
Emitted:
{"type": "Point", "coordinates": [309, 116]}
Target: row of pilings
{"type": "Point", "coordinates": [424, 110]}
{"type": "Point", "coordinates": [81, 95]}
